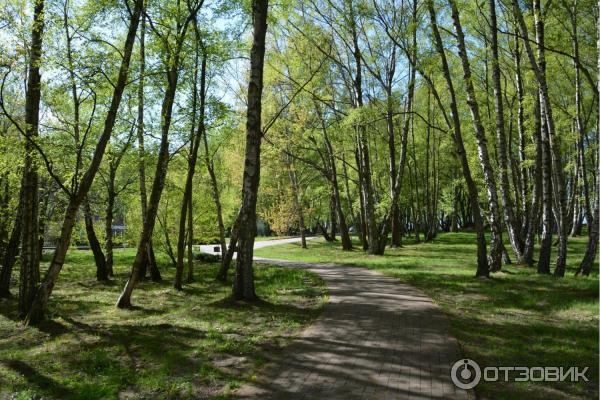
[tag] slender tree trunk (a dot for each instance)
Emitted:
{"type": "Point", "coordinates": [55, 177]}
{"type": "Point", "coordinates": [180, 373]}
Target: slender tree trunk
{"type": "Point", "coordinates": [30, 262]}
{"type": "Point", "coordinates": [344, 231]}
{"type": "Point", "coordinates": [510, 219]}
{"type": "Point", "coordinates": [488, 173]}
{"type": "Point", "coordinates": [547, 216]}
{"type": "Point", "coordinates": [523, 173]}
{"type": "Point", "coordinates": [228, 256]}
{"type": "Point", "coordinates": [482, 263]}
{"type": "Point", "coordinates": [12, 251]}
{"type": "Point", "coordinates": [296, 199]}
{"type": "Point", "coordinates": [172, 77]}
{"type": "Point", "coordinates": [332, 216]}
{"type": "Point", "coordinates": [190, 241]}
{"type": "Point", "coordinates": [361, 196]}
{"type": "Point", "coordinates": [149, 262]}
{"type": "Point", "coordinates": [585, 266]}
{"type": "Point", "coordinates": [579, 121]}
{"type": "Point", "coordinates": [187, 193]}
{"type": "Point", "coordinates": [101, 270]}
{"type": "Point", "coordinates": [217, 199]}
{"type": "Point", "coordinates": [534, 210]}
{"type": "Point", "coordinates": [539, 69]}
{"type": "Point", "coordinates": [108, 219]}
{"type": "Point", "coordinates": [243, 283]}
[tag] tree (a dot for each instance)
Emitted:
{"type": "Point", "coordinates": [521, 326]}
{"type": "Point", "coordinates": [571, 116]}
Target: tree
{"type": "Point", "coordinates": [42, 295]}
{"type": "Point", "coordinates": [243, 283]}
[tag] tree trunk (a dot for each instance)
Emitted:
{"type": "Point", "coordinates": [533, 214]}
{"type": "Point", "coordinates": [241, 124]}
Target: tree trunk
{"type": "Point", "coordinates": [243, 283]}
{"type": "Point", "coordinates": [172, 76]}
{"type": "Point", "coordinates": [547, 216]}
{"type": "Point", "coordinates": [579, 122]}
{"type": "Point", "coordinates": [12, 251]}
{"type": "Point", "coordinates": [296, 199]}
{"type": "Point", "coordinates": [187, 193]}
{"type": "Point", "coordinates": [592, 248]}
{"type": "Point", "coordinates": [539, 69]}
{"type": "Point", "coordinates": [534, 210]}
{"type": "Point", "coordinates": [149, 261]}
{"type": "Point", "coordinates": [101, 269]}
{"type": "Point", "coordinates": [482, 263]}
{"type": "Point", "coordinates": [30, 262]}
{"type": "Point", "coordinates": [190, 242]}
{"type": "Point", "coordinates": [217, 199]}
{"type": "Point", "coordinates": [495, 256]}
{"type": "Point", "coordinates": [510, 219]}
{"type": "Point", "coordinates": [332, 216]}
{"type": "Point", "coordinates": [228, 256]}
{"type": "Point", "coordinates": [108, 220]}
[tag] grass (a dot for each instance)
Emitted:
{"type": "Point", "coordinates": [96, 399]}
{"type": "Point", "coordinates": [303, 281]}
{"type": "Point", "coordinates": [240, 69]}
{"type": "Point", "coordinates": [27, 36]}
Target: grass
{"type": "Point", "coordinates": [517, 318]}
{"type": "Point", "coordinates": [190, 344]}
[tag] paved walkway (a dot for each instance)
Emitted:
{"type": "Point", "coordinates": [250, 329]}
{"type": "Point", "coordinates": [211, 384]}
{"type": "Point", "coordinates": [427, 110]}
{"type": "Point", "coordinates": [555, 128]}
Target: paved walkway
{"type": "Point", "coordinates": [377, 338]}
{"type": "Point", "coordinates": [210, 248]}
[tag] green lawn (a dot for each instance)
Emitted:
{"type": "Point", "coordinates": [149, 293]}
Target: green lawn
{"type": "Point", "coordinates": [190, 344]}
{"type": "Point", "coordinates": [517, 318]}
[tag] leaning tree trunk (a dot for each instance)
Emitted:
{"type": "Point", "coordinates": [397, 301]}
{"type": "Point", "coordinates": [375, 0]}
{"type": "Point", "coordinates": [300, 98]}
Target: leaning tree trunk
{"type": "Point", "coordinates": [243, 283]}
{"type": "Point", "coordinates": [510, 219]}
{"type": "Point", "coordinates": [12, 251]}
{"type": "Point", "coordinates": [228, 256]}
{"type": "Point", "coordinates": [187, 192]}
{"type": "Point", "coordinates": [579, 122]}
{"type": "Point", "coordinates": [217, 199]}
{"type": "Point", "coordinates": [99, 259]}
{"type": "Point", "coordinates": [496, 245]}
{"type": "Point", "coordinates": [539, 69]}
{"type": "Point", "coordinates": [160, 174]}
{"type": "Point", "coordinates": [44, 291]}
{"type": "Point", "coordinates": [29, 272]}
{"type": "Point", "coordinates": [592, 248]}
{"type": "Point", "coordinates": [482, 263]}
{"type": "Point", "coordinates": [585, 266]}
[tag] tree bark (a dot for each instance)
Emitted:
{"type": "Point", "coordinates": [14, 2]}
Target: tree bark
{"type": "Point", "coordinates": [510, 219]}
{"type": "Point", "coordinates": [149, 261]}
{"type": "Point", "coordinates": [496, 246]}
{"type": "Point", "coordinates": [217, 199]}
{"type": "Point", "coordinates": [187, 193]}
{"type": "Point", "coordinates": [585, 266]}
{"type": "Point", "coordinates": [539, 69]}
{"type": "Point", "coordinates": [99, 259]}
{"type": "Point", "coordinates": [12, 250]}
{"type": "Point", "coordinates": [29, 272]}
{"type": "Point", "coordinates": [243, 283]}
{"type": "Point", "coordinates": [172, 77]}
{"type": "Point", "coordinates": [296, 199]}
{"type": "Point", "coordinates": [482, 263]}
{"type": "Point", "coordinates": [533, 217]}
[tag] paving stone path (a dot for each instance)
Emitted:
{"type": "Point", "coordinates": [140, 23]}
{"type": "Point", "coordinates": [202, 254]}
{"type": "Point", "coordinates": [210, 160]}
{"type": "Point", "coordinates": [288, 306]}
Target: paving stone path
{"type": "Point", "coordinates": [376, 338]}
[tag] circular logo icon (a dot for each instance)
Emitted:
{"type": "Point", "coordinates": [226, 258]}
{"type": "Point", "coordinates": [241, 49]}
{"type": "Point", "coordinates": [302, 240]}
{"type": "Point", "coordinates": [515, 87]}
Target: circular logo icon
{"type": "Point", "coordinates": [465, 374]}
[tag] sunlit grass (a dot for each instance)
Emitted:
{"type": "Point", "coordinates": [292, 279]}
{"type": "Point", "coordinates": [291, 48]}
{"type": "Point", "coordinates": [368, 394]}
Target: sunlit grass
{"type": "Point", "coordinates": [190, 344]}
{"type": "Point", "coordinates": [517, 318]}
